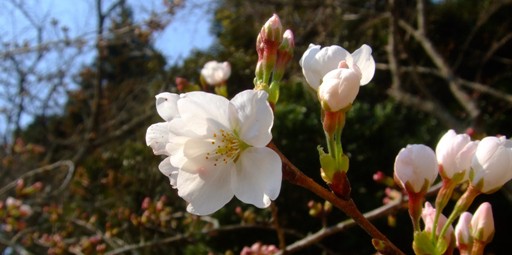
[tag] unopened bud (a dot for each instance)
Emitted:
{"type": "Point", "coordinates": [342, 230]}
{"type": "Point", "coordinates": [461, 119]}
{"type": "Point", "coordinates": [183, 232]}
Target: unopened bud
{"type": "Point", "coordinates": [284, 55]}
{"type": "Point", "coordinates": [482, 223]}
{"type": "Point", "coordinates": [146, 203]}
{"type": "Point", "coordinates": [272, 31]}
{"type": "Point", "coordinates": [463, 237]}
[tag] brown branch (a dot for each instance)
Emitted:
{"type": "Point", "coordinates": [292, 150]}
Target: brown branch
{"type": "Point", "coordinates": [387, 209]}
{"type": "Point", "coordinates": [425, 106]}
{"type": "Point", "coordinates": [68, 163]}
{"type": "Point", "coordinates": [292, 174]}
{"type": "Point", "coordinates": [395, 91]}
{"type": "Point", "coordinates": [476, 86]}
{"type": "Point", "coordinates": [462, 97]}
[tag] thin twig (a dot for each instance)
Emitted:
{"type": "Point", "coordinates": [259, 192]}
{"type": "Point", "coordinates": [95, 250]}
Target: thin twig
{"type": "Point", "coordinates": [384, 210]}
{"type": "Point", "coordinates": [70, 168]}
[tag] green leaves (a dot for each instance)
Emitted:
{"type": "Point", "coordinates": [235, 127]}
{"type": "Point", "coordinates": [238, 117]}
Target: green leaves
{"type": "Point", "coordinates": [423, 244]}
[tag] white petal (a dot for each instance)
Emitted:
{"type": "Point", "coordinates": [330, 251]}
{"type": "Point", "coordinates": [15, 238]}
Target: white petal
{"type": "Point", "coordinates": [257, 179]}
{"type": "Point", "coordinates": [339, 88]}
{"type": "Point", "coordinates": [166, 105]}
{"type": "Point", "coordinates": [465, 156]}
{"type": "Point", "coordinates": [498, 169]}
{"type": "Point", "coordinates": [190, 127]}
{"type": "Point", "coordinates": [416, 164]}
{"type": "Point", "coordinates": [202, 105]}
{"type": "Point", "coordinates": [255, 117]}
{"type": "Point", "coordinates": [308, 64]}
{"type": "Point", "coordinates": [170, 171]}
{"type": "Point", "coordinates": [317, 62]}
{"type": "Point", "coordinates": [205, 192]}
{"type": "Point", "coordinates": [364, 60]}
{"type": "Point", "coordinates": [444, 144]}
{"type": "Point", "coordinates": [198, 146]}
{"type": "Point", "coordinates": [157, 136]}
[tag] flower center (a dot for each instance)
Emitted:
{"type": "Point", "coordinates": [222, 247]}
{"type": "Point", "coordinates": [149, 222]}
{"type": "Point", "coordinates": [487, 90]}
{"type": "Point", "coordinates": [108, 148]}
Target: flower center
{"type": "Point", "coordinates": [227, 147]}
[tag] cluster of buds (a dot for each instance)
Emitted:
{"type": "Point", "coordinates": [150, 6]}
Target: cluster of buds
{"type": "Point", "coordinates": [259, 249]}
{"type": "Point", "coordinates": [320, 210]}
{"type": "Point", "coordinates": [154, 213]}
{"type": "Point", "coordinates": [55, 243]}
{"type": "Point", "coordinates": [275, 51]}
{"type": "Point", "coordinates": [89, 245]}
{"type": "Point", "coordinates": [184, 86]}
{"type": "Point", "coordinates": [474, 232]}
{"type": "Point", "coordinates": [13, 213]}
{"type": "Point", "coordinates": [483, 165]}
{"type": "Point", "coordinates": [23, 190]}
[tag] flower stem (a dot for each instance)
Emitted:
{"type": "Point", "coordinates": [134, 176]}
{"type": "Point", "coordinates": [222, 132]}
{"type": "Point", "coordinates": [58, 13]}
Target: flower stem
{"type": "Point", "coordinates": [462, 205]}
{"type": "Point", "coordinates": [292, 174]}
{"type": "Point", "coordinates": [443, 196]}
{"type": "Point", "coordinates": [478, 248]}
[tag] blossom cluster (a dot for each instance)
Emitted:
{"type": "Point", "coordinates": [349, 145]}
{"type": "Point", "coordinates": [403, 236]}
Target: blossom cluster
{"type": "Point", "coordinates": [13, 213]}
{"type": "Point", "coordinates": [485, 165]}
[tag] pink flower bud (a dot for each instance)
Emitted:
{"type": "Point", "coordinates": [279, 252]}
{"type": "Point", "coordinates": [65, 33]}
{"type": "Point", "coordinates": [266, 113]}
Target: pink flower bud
{"type": "Point", "coordinates": [146, 203]}
{"type": "Point", "coordinates": [428, 215]}
{"type": "Point", "coordinates": [272, 31]}
{"type": "Point", "coordinates": [463, 232]}
{"type": "Point", "coordinates": [482, 223]}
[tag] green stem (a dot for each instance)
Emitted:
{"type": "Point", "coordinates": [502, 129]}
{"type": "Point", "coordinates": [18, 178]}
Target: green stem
{"type": "Point", "coordinates": [462, 205]}
{"type": "Point", "coordinates": [443, 196]}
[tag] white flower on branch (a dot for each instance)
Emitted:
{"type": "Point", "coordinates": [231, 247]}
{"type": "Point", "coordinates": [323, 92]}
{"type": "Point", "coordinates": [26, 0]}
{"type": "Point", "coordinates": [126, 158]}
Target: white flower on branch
{"type": "Point", "coordinates": [216, 73]}
{"type": "Point", "coordinates": [316, 63]}
{"type": "Point", "coordinates": [454, 154]}
{"type": "Point", "coordinates": [415, 168]}
{"type": "Point", "coordinates": [492, 164]}
{"type": "Point", "coordinates": [216, 148]}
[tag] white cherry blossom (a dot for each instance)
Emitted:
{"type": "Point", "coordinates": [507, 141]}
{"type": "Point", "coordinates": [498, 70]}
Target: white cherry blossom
{"type": "Point", "coordinates": [317, 62]}
{"type": "Point", "coordinates": [215, 72]}
{"type": "Point", "coordinates": [217, 149]}
{"type": "Point", "coordinates": [454, 153]}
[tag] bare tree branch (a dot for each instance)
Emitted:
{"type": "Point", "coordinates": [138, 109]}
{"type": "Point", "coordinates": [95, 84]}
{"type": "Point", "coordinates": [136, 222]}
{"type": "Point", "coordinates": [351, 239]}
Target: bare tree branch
{"type": "Point", "coordinates": [463, 98]}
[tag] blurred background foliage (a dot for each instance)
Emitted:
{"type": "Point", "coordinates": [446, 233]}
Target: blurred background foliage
{"type": "Point", "coordinates": [101, 190]}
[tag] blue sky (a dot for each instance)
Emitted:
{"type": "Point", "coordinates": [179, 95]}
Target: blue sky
{"type": "Point", "coordinates": [191, 23]}
{"type": "Point", "coordinates": [188, 30]}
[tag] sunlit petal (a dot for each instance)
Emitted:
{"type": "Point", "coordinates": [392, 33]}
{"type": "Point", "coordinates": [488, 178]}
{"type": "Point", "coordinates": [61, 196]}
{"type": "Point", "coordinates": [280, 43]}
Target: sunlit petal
{"type": "Point", "coordinates": [255, 116]}
{"type": "Point", "coordinates": [157, 136]}
{"type": "Point", "coordinates": [166, 105]}
{"type": "Point", "coordinates": [364, 60]}
{"type": "Point", "coordinates": [257, 180]}
{"type": "Point", "coordinates": [205, 192]}
{"type": "Point", "coordinates": [169, 170]}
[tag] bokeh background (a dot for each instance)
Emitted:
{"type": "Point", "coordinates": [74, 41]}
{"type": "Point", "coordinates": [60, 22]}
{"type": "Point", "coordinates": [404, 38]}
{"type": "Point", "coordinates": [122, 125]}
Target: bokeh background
{"type": "Point", "coordinates": [77, 95]}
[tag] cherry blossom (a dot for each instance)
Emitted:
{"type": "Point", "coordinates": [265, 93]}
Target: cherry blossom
{"type": "Point", "coordinates": [216, 149]}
